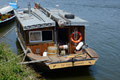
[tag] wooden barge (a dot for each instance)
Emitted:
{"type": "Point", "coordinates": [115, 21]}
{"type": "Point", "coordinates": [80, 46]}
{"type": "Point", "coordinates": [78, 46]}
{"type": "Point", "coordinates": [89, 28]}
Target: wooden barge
{"type": "Point", "coordinates": [53, 37]}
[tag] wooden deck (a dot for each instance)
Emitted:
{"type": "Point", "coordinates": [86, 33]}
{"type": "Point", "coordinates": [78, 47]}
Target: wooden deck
{"type": "Point", "coordinates": [54, 58]}
{"type": "Point", "coordinates": [91, 53]}
{"type": "Point", "coordinates": [46, 58]}
{"type": "Point", "coordinates": [37, 57]}
{"type": "Point", "coordinates": [55, 62]}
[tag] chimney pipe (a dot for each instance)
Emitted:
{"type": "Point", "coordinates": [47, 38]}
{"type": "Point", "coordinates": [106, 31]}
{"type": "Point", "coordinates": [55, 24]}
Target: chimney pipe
{"type": "Point", "coordinates": [29, 9]}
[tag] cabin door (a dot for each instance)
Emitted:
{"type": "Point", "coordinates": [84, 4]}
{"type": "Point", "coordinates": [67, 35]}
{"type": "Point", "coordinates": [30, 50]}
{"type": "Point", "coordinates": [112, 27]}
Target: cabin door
{"type": "Point", "coordinates": [63, 36]}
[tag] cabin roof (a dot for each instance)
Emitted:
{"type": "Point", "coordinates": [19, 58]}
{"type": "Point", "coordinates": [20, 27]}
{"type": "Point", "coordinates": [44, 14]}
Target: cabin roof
{"type": "Point", "coordinates": [39, 19]}
{"type": "Point", "coordinates": [6, 9]}
{"type": "Point", "coordinates": [59, 14]}
{"type": "Point", "coordinates": [36, 19]}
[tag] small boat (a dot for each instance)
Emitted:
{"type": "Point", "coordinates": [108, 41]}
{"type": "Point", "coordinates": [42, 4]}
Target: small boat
{"type": "Point", "coordinates": [53, 37]}
{"type": "Point", "coordinates": [7, 13]}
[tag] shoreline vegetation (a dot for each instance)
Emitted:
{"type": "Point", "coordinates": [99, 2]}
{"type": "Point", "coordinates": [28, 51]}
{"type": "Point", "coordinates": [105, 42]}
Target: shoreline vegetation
{"type": "Point", "coordinates": [10, 69]}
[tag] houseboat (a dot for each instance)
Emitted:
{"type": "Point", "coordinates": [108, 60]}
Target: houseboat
{"type": "Point", "coordinates": [53, 37]}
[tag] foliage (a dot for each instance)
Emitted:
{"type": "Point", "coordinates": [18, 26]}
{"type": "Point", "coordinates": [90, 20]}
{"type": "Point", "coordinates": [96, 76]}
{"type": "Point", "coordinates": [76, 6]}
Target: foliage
{"type": "Point", "coordinates": [9, 67]}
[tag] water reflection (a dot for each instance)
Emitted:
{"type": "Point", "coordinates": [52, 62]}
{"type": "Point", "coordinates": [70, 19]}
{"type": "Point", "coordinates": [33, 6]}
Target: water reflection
{"type": "Point", "coordinates": [8, 35]}
{"type": "Point", "coordinates": [75, 73]}
{"type": "Point", "coordinates": [5, 28]}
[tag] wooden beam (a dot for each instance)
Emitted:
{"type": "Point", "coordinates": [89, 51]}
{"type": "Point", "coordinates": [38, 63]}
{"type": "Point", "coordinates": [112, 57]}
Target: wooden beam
{"type": "Point", "coordinates": [35, 61]}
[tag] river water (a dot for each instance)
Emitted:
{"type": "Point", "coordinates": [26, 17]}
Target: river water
{"type": "Point", "coordinates": [102, 34]}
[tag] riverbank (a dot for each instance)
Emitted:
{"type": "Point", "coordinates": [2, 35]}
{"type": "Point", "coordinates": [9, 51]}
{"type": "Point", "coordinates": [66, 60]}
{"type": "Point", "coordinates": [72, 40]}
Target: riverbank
{"type": "Point", "coordinates": [10, 69]}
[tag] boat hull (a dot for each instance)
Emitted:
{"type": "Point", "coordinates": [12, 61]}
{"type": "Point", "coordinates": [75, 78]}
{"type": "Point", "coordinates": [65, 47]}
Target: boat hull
{"type": "Point", "coordinates": [71, 64]}
{"type": "Point", "coordinates": [6, 22]}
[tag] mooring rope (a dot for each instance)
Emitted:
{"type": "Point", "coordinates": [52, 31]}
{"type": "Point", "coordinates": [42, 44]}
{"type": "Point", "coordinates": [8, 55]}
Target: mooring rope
{"type": "Point", "coordinates": [3, 37]}
{"type": "Point", "coordinates": [8, 32]}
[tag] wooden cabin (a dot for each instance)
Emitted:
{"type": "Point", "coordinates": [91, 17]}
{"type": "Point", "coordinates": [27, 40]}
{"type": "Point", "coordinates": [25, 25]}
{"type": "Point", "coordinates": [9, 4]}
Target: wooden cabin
{"type": "Point", "coordinates": [54, 37]}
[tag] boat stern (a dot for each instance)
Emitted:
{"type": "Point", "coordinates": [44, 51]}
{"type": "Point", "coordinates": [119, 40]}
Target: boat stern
{"type": "Point", "coordinates": [70, 64]}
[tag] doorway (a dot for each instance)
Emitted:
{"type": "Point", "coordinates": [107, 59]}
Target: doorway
{"type": "Point", "coordinates": [63, 36]}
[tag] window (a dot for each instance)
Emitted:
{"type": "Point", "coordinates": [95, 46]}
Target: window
{"type": "Point", "coordinates": [40, 36]}
{"type": "Point", "coordinates": [35, 36]}
{"type": "Point", "coordinates": [46, 35]}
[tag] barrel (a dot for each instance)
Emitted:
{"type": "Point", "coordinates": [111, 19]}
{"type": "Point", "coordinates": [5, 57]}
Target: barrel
{"type": "Point", "coordinates": [52, 50]}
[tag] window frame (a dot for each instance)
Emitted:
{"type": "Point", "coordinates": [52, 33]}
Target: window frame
{"type": "Point", "coordinates": [41, 36]}
{"type": "Point", "coordinates": [35, 40]}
